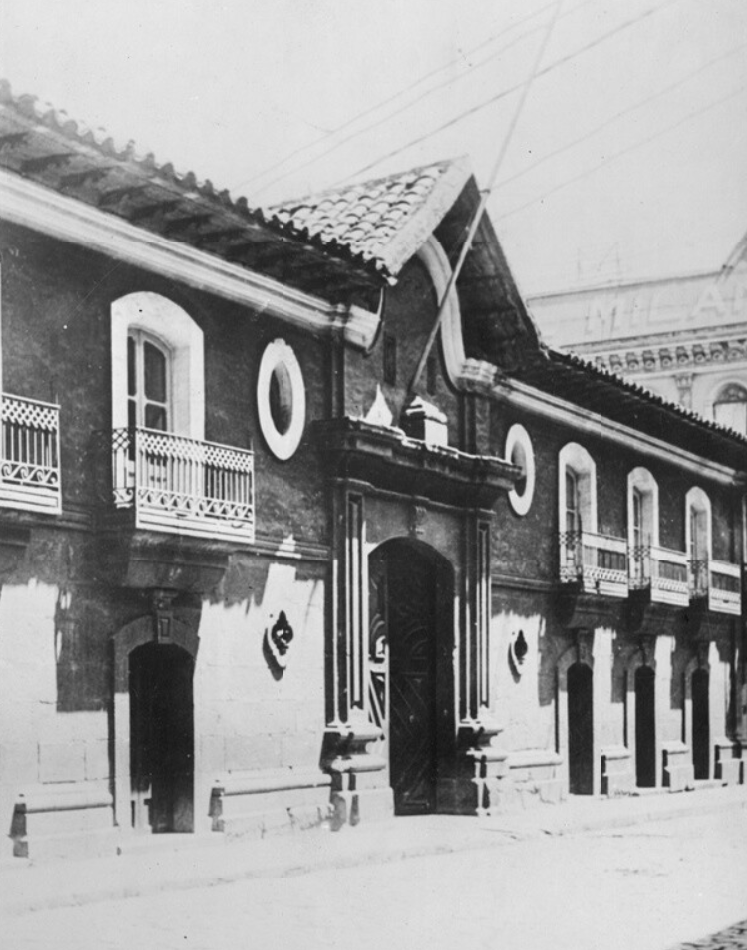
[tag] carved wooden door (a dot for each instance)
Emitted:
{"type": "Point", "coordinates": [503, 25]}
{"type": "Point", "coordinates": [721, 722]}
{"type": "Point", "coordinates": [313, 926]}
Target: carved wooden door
{"type": "Point", "coordinates": [411, 604]}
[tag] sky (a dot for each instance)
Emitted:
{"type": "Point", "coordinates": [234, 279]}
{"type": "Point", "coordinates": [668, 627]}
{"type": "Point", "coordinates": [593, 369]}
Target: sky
{"type": "Point", "coordinates": [626, 161]}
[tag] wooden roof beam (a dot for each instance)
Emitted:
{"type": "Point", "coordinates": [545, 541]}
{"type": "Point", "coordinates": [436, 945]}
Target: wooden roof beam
{"type": "Point", "coordinates": [153, 210]}
{"type": "Point", "coordinates": [115, 195]}
{"type": "Point", "coordinates": [93, 174]}
{"type": "Point", "coordinates": [179, 225]}
{"type": "Point", "coordinates": [43, 162]}
{"type": "Point", "coordinates": [12, 139]}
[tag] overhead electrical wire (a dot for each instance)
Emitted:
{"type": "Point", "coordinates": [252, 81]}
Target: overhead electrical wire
{"type": "Point", "coordinates": [391, 115]}
{"type": "Point", "coordinates": [619, 115]}
{"type": "Point", "coordinates": [409, 105]}
{"type": "Point", "coordinates": [393, 98]}
{"type": "Point", "coordinates": [621, 152]}
{"type": "Point", "coordinates": [506, 92]}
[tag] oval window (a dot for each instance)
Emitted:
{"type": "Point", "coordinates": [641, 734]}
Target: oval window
{"type": "Point", "coordinates": [281, 399]}
{"type": "Point", "coordinates": [519, 452]}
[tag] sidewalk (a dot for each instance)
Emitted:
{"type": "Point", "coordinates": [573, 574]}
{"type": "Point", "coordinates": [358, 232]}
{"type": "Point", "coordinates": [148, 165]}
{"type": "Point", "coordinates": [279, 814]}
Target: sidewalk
{"type": "Point", "coordinates": [173, 862]}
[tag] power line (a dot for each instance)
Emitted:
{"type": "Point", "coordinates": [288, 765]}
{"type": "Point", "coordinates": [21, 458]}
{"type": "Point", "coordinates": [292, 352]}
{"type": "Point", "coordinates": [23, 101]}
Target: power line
{"type": "Point", "coordinates": [391, 115]}
{"type": "Point", "coordinates": [393, 98]}
{"type": "Point", "coordinates": [624, 151]}
{"type": "Point", "coordinates": [506, 92]}
{"type": "Point", "coordinates": [484, 198]}
{"type": "Point", "coordinates": [619, 115]}
{"type": "Point", "coordinates": [387, 101]}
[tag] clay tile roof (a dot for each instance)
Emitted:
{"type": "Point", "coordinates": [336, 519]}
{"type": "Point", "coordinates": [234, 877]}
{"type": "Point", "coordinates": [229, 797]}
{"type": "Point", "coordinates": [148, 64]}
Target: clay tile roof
{"type": "Point", "coordinates": [577, 380]}
{"type": "Point", "coordinates": [385, 220]}
{"type": "Point", "coordinates": [43, 144]}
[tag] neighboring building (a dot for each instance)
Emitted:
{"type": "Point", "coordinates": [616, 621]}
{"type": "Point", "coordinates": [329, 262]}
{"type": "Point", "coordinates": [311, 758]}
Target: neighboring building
{"type": "Point", "coordinates": [684, 338]}
{"type": "Point", "coordinates": [250, 585]}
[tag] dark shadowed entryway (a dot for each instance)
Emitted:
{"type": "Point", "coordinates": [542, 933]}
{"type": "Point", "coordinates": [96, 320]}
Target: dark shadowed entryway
{"type": "Point", "coordinates": [162, 738]}
{"type": "Point", "coordinates": [411, 605]}
{"type": "Point", "coordinates": [645, 727]}
{"type": "Point", "coordinates": [581, 729]}
{"type": "Point", "coordinates": [701, 725]}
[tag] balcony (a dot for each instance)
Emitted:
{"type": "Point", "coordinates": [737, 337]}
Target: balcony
{"type": "Point", "coordinates": [661, 572]}
{"type": "Point", "coordinates": [719, 584]}
{"type": "Point", "coordinates": [30, 455]}
{"type": "Point", "coordinates": [596, 563]}
{"type": "Point", "coordinates": [183, 486]}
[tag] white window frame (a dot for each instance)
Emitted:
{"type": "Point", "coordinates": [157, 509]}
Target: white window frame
{"type": "Point", "coordinates": [714, 400]}
{"type": "Point", "coordinates": [279, 357]}
{"type": "Point", "coordinates": [696, 501]}
{"type": "Point", "coordinates": [520, 451]}
{"type": "Point", "coordinates": [140, 338]}
{"type": "Point", "coordinates": [173, 328]}
{"type": "Point", "coordinates": [642, 481]}
{"type": "Point", "coordinates": [576, 458]}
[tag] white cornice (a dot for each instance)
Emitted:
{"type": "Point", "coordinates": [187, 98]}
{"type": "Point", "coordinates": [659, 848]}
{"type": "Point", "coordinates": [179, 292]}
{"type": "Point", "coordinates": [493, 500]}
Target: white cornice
{"type": "Point", "coordinates": [526, 397]}
{"type": "Point", "coordinates": [30, 205]}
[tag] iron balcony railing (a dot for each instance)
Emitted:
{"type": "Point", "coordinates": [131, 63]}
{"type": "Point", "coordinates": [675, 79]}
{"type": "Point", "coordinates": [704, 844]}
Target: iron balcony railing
{"type": "Point", "coordinates": [30, 455]}
{"type": "Point", "coordinates": [183, 486]}
{"type": "Point", "coordinates": [661, 571]}
{"type": "Point", "coordinates": [597, 562]}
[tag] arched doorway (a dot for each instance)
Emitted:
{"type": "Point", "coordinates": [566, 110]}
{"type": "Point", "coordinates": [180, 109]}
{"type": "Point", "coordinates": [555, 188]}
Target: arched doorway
{"type": "Point", "coordinates": [411, 688]}
{"type": "Point", "coordinates": [701, 725]}
{"type": "Point", "coordinates": [581, 729]}
{"type": "Point", "coordinates": [645, 727]}
{"type": "Point", "coordinates": [161, 738]}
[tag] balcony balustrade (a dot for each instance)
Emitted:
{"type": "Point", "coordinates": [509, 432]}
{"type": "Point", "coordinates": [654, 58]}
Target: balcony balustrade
{"type": "Point", "coordinates": [183, 486]}
{"type": "Point", "coordinates": [724, 587]}
{"type": "Point", "coordinates": [596, 562]}
{"type": "Point", "coordinates": [663, 572]}
{"type": "Point", "coordinates": [30, 455]}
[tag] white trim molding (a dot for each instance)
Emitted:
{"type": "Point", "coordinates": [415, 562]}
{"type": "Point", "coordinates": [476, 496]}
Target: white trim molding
{"type": "Point", "coordinates": [641, 480]}
{"type": "Point", "coordinates": [167, 322]}
{"type": "Point", "coordinates": [463, 372]}
{"type": "Point", "coordinates": [697, 502]}
{"type": "Point", "coordinates": [33, 206]}
{"type": "Point", "coordinates": [520, 451]}
{"type": "Point", "coordinates": [575, 457]}
{"type": "Point", "coordinates": [279, 361]}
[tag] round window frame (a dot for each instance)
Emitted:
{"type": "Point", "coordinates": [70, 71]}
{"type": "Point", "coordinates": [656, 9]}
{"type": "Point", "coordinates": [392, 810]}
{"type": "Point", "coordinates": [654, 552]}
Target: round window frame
{"type": "Point", "coordinates": [518, 437]}
{"type": "Point", "coordinates": [279, 356]}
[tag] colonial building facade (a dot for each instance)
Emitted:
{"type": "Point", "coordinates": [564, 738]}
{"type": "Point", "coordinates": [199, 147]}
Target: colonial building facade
{"type": "Point", "coordinates": [258, 578]}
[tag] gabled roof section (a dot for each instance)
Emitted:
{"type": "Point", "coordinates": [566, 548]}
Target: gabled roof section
{"type": "Point", "coordinates": [385, 220]}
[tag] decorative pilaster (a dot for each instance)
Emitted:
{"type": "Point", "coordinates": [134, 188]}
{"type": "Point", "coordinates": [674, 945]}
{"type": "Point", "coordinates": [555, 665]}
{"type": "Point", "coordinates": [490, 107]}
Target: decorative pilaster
{"type": "Point", "coordinates": [684, 382]}
{"type": "Point", "coordinates": [482, 765]}
{"type": "Point", "coordinates": [346, 756]}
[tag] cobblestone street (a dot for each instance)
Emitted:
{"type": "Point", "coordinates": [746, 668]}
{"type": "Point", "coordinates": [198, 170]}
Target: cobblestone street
{"type": "Point", "coordinates": [653, 886]}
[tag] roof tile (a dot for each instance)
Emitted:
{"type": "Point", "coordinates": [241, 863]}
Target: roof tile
{"type": "Point", "coordinates": [379, 219]}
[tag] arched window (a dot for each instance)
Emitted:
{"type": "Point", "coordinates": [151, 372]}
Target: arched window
{"type": "Point", "coordinates": [148, 382]}
{"type": "Point", "coordinates": [578, 489]}
{"type": "Point", "coordinates": [698, 537]}
{"type": "Point", "coordinates": [577, 504]}
{"type": "Point", "coordinates": [572, 501]}
{"type": "Point", "coordinates": [643, 520]}
{"type": "Point", "coordinates": [157, 366]}
{"type": "Point", "coordinates": [730, 407]}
